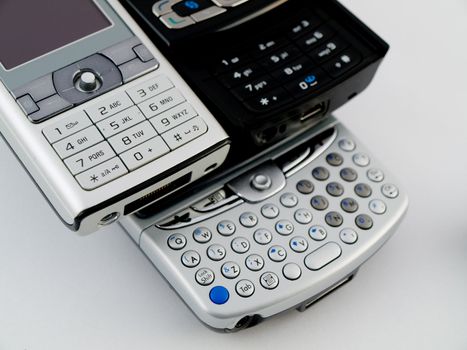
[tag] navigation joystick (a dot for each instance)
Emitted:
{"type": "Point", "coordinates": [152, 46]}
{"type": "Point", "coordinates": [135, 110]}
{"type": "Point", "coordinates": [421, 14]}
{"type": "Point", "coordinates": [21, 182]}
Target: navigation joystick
{"type": "Point", "coordinates": [88, 82]}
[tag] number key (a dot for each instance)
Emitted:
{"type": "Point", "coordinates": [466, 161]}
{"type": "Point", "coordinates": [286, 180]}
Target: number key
{"type": "Point", "coordinates": [173, 117]}
{"type": "Point", "coordinates": [254, 87]}
{"type": "Point", "coordinates": [132, 137]}
{"type": "Point", "coordinates": [109, 106]}
{"type": "Point", "coordinates": [149, 88]}
{"type": "Point", "coordinates": [65, 127]}
{"type": "Point", "coordinates": [78, 142]}
{"type": "Point", "coordinates": [120, 121]}
{"type": "Point", "coordinates": [161, 103]}
{"type": "Point", "coordinates": [89, 158]}
{"type": "Point", "coordinates": [145, 153]}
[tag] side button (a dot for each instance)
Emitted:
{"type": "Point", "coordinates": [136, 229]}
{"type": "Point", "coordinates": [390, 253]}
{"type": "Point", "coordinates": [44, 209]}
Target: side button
{"type": "Point", "coordinates": [48, 108]}
{"type": "Point", "coordinates": [133, 69]}
{"type": "Point", "coordinates": [122, 52]}
{"type": "Point", "coordinates": [143, 53]}
{"type": "Point", "coordinates": [322, 256]}
{"type": "Point", "coordinates": [38, 89]}
{"type": "Point", "coordinates": [27, 104]}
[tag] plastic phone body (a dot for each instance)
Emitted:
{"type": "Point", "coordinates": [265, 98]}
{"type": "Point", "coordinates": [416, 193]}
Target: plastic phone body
{"type": "Point", "coordinates": [278, 233]}
{"type": "Point", "coordinates": [266, 68]}
{"type": "Point", "coordinates": [96, 114]}
{"type": "Point", "coordinates": [301, 204]}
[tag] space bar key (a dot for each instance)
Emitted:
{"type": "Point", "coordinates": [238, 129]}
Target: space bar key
{"type": "Point", "coordinates": [322, 256]}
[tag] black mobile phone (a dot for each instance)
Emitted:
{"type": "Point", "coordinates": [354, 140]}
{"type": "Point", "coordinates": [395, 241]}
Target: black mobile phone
{"type": "Point", "coordinates": [266, 68]}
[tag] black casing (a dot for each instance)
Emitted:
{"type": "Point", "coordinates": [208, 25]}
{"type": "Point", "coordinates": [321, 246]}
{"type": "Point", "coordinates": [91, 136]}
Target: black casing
{"type": "Point", "coordinates": [196, 49]}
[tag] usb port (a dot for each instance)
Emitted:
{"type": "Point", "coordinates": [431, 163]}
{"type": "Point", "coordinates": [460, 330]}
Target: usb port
{"type": "Point", "coordinates": [317, 110]}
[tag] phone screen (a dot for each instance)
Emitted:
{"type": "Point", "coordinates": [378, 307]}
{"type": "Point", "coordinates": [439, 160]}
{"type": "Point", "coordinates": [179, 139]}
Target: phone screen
{"type": "Point", "coordinates": [44, 26]}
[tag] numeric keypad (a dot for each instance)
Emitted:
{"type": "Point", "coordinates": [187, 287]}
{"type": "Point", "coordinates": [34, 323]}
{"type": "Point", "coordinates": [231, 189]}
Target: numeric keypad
{"type": "Point", "coordinates": [124, 131]}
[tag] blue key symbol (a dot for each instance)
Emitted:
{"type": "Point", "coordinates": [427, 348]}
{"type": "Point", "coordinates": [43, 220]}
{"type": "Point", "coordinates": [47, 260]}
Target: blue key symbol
{"type": "Point", "coordinates": [192, 5]}
{"type": "Point", "coordinates": [310, 79]}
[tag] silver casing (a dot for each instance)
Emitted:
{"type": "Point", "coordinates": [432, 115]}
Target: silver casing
{"type": "Point", "coordinates": [264, 303]}
{"type": "Point", "coordinates": [61, 189]}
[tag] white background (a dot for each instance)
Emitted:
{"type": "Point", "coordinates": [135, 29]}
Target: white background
{"type": "Point", "coordinates": [60, 291]}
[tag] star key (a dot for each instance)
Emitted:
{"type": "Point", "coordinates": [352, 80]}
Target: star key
{"type": "Point", "coordinates": [268, 101]}
{"type": "Point", "coordinates": [264, 101]}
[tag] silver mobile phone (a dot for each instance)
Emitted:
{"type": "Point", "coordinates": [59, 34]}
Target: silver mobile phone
{"type": "Point", "coordinates": [98, 117]}
{"type": "Point", "coordinates": [278, 233]}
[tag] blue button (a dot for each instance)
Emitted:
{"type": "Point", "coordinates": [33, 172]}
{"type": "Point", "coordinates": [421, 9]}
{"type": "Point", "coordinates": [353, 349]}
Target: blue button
{"type": "Point", "coordinates": [219, 295]}
{"type": "Point", "coordinates": [192, 5]}
{"type": "Point", "coordinates": [310, 79]}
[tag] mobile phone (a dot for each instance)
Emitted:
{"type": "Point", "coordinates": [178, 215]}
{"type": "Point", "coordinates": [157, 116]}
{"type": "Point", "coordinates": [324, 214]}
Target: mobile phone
{"type": "Point", "coordinates": [276, 234]}
{"type": "Point", "coordinates": [266, 68]}
{"type": "Point", "coordinates": [300, 205]}
{"type": "Point", "coordinates": [96, 113]}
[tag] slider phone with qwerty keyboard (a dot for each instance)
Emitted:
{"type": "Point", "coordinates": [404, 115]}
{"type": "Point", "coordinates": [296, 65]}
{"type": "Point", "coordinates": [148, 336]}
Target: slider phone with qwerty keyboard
{"type": "Point", "coordinates": [278, 233]}
{"type": "Point", "coordinates": [267, 68]}
{"type": "Point", "coordinates": [96, 114]}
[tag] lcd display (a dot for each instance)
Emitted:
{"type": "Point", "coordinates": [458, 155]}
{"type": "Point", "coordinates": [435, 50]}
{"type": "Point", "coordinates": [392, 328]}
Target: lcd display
{"type": "Point", "coordinates": [30, 29]}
